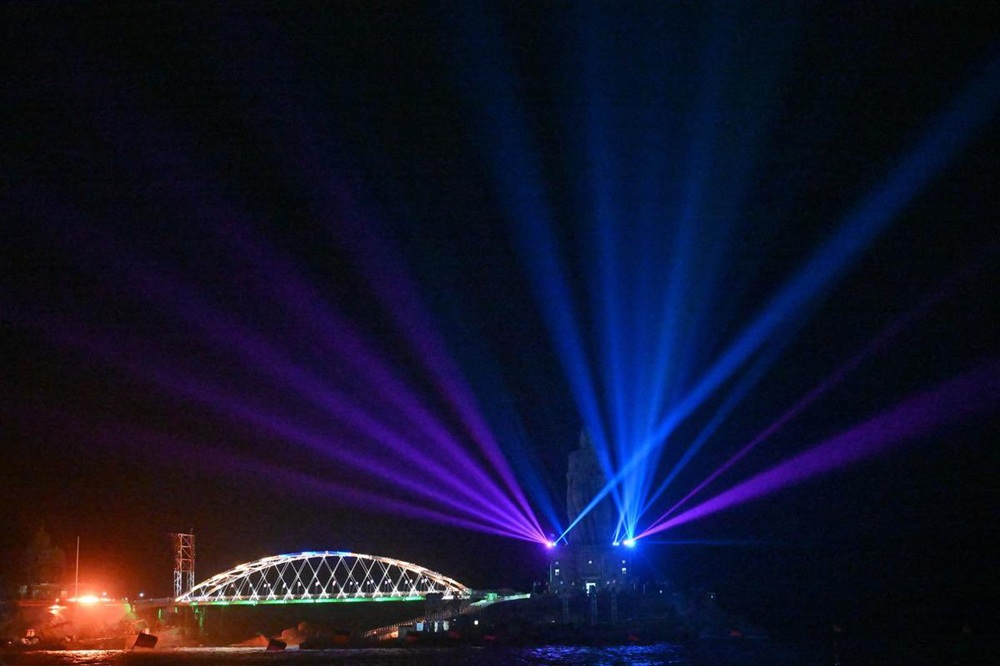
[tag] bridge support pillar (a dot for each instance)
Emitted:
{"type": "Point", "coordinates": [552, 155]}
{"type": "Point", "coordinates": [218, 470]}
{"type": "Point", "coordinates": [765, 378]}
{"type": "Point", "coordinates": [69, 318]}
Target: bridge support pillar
{"type": "Point", "coordinates": [199, 613]}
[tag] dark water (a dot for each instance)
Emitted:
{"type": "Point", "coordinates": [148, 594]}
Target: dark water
{"type": "Point", "coordinates": [629, 655]}
{"type": "Point", "coordinates": [704, 653]}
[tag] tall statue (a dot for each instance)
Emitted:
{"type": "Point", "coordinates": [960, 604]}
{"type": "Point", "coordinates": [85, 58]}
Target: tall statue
{"type": "Point", "coordinates": [585, 479]}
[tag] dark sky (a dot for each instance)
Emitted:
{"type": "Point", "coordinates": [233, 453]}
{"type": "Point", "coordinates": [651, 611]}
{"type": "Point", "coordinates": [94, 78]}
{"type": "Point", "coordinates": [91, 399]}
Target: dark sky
{"type": "Point", "coordinates": [142, 146]}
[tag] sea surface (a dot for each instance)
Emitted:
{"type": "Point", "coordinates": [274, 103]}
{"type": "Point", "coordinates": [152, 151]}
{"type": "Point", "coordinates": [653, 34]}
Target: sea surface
{"type": "Point", "coordinates": [697, 653]}
{"type": "Point", "coordinates": [627, 655]}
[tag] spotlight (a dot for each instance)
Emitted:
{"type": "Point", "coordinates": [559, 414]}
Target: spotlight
{"type": "Point", "coordinates": [629, 543]}
{"type": "Point", "coordinates": [550, 544]}
{"type": "Point", "coordinates": [615, 544]}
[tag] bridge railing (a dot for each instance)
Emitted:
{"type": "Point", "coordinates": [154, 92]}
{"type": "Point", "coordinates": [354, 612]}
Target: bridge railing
{"type": "Point", "coordinates": [474, 604]}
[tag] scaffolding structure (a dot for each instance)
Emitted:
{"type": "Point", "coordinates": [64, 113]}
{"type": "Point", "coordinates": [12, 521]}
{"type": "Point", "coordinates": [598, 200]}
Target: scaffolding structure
{"type": "Point", "coordinates": [183, 563]}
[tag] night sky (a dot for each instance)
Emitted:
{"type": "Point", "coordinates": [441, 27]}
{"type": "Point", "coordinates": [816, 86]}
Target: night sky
{"type": "Point", "coordinates": [174, 188]}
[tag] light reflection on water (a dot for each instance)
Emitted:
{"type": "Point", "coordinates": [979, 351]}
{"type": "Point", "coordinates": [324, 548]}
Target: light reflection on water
{"type": "Point", "coordinates": [630, 655]}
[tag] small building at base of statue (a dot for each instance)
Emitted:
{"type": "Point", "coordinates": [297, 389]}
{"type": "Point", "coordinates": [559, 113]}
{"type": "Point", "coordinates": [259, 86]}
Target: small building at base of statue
{"type": "Point", "coordinates": [589, 569]}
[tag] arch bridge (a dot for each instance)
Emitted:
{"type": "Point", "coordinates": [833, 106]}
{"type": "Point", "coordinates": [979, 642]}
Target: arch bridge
{"type": "Point", "coordinates": [322, 577]}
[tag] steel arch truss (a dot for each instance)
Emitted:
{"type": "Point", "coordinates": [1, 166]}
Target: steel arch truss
{"type": "Point", "coordinates": [322, 577]}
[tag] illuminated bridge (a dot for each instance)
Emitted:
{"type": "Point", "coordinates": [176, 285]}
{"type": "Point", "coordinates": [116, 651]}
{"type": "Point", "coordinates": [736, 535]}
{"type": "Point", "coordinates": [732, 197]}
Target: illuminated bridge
{"type": "Point", "coordinates": [323, 577]}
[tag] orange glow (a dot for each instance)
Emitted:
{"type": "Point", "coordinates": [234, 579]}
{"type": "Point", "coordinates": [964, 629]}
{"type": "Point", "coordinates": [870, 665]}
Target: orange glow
{"type": "Point", "coordinates": [87, 599]}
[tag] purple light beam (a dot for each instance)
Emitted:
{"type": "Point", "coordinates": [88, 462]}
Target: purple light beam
{"type": "Point", "coordinates": [193, 188]}
{"type": "Point", "coordinates": [873, 347]}
{"type": "Point", "coordinates": [948, 402]}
